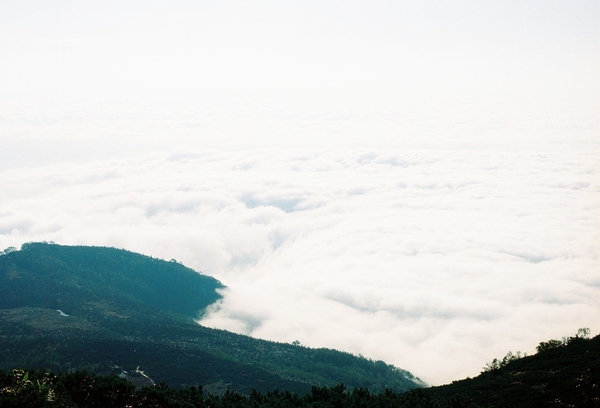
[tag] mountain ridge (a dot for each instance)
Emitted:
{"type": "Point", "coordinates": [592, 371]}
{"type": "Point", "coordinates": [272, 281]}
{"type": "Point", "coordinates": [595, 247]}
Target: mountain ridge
{"type": "Point", "coordinates": [113, 271]}
{"type": "Point", "coordinates": [127, 311]}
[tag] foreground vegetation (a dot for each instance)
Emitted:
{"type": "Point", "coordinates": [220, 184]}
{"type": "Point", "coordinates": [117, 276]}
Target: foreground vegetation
{"type": "Point", "coordinates": [564, 375]}
{"type": "Point", "coordinates": [80, 389]}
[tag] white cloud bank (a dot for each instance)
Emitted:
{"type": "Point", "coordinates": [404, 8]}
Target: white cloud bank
{"type": "Point", "coordinates": [461, 222]}
{"type": "Point", "coordinates": [435, 261]}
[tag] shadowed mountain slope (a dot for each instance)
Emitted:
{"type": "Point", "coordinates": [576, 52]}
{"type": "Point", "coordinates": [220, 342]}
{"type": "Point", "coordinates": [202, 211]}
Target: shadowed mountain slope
{"type": "Point", "coordinates": [566, 375]}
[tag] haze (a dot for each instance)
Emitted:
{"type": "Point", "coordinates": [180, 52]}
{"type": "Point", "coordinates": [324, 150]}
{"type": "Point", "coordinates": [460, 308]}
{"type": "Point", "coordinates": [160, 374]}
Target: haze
{"type": "Point", "coordinates": [414, 182]}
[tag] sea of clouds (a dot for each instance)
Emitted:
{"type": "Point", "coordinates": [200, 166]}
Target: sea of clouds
{"type": "Point", "coordinates": [416, 182]}
{"type": "Point", "coordinates": [436, 261]}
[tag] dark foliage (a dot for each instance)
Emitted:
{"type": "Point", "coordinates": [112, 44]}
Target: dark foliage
{"type": "Point", "coordinates": [80, 389]}
{"type": "Point", "coordinates": [565, 376]}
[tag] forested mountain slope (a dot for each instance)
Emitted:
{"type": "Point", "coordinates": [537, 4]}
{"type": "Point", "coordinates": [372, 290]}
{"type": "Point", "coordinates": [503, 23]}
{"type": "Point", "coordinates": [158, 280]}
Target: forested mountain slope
{"type": "Point", "coordinates": [564, 375]}
{"type": "Point", "coordinates": [107, 310]}
{"type": "Point", "coordinates": [69, 277]}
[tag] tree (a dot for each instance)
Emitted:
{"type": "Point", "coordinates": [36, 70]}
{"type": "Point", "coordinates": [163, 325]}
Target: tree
{"type": "Point", "coordinates": [550, 344]}
{"type": "Point", "coordinates": [8, 251]}
{"type": "Point", "coordinates": [583, 333]}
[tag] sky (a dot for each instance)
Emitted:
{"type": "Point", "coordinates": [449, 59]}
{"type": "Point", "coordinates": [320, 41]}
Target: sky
{"type": "Point", "coordinates": [416, 182]}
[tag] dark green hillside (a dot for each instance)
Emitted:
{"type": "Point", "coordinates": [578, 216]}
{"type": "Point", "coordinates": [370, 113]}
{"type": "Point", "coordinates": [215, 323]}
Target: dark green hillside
{"type": "Point", "coordinates": [127, 310]}
{"type": "Point", "coordinates": [65, 277]}
{"type": "Point", "coordinates": [566, 375]}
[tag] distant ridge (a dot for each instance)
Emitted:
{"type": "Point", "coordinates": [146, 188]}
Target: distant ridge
{"type": "Point", "coordinates": [65, 277]}
{"type": "Point", "coordinates": [108, 310]}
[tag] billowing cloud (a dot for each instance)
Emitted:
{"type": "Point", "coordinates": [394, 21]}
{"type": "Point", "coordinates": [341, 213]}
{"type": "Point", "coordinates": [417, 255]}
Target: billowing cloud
{"type": "Point", "coordinates": [435, 261]}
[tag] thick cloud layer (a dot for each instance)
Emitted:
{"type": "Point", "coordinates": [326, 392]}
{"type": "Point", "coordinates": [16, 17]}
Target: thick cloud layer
{"type": "Point", "coordinates": [435, 261]}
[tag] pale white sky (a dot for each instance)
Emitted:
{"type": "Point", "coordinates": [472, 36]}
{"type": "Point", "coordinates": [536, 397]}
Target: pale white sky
{"type": "Point", "coordinates": [413, 181]}
{"type": "Point", "coordinates": [297, 74]}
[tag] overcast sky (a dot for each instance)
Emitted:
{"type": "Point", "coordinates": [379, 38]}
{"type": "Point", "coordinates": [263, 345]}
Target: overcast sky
{"type": "Point", "coordinates": [413, 181]}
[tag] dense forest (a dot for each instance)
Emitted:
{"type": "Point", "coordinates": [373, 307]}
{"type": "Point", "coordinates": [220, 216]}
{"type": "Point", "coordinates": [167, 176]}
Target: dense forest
{"type": "Point", "coordinates": [110, 311]}
{"type": "Point", "coordinates": [565, 374]}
